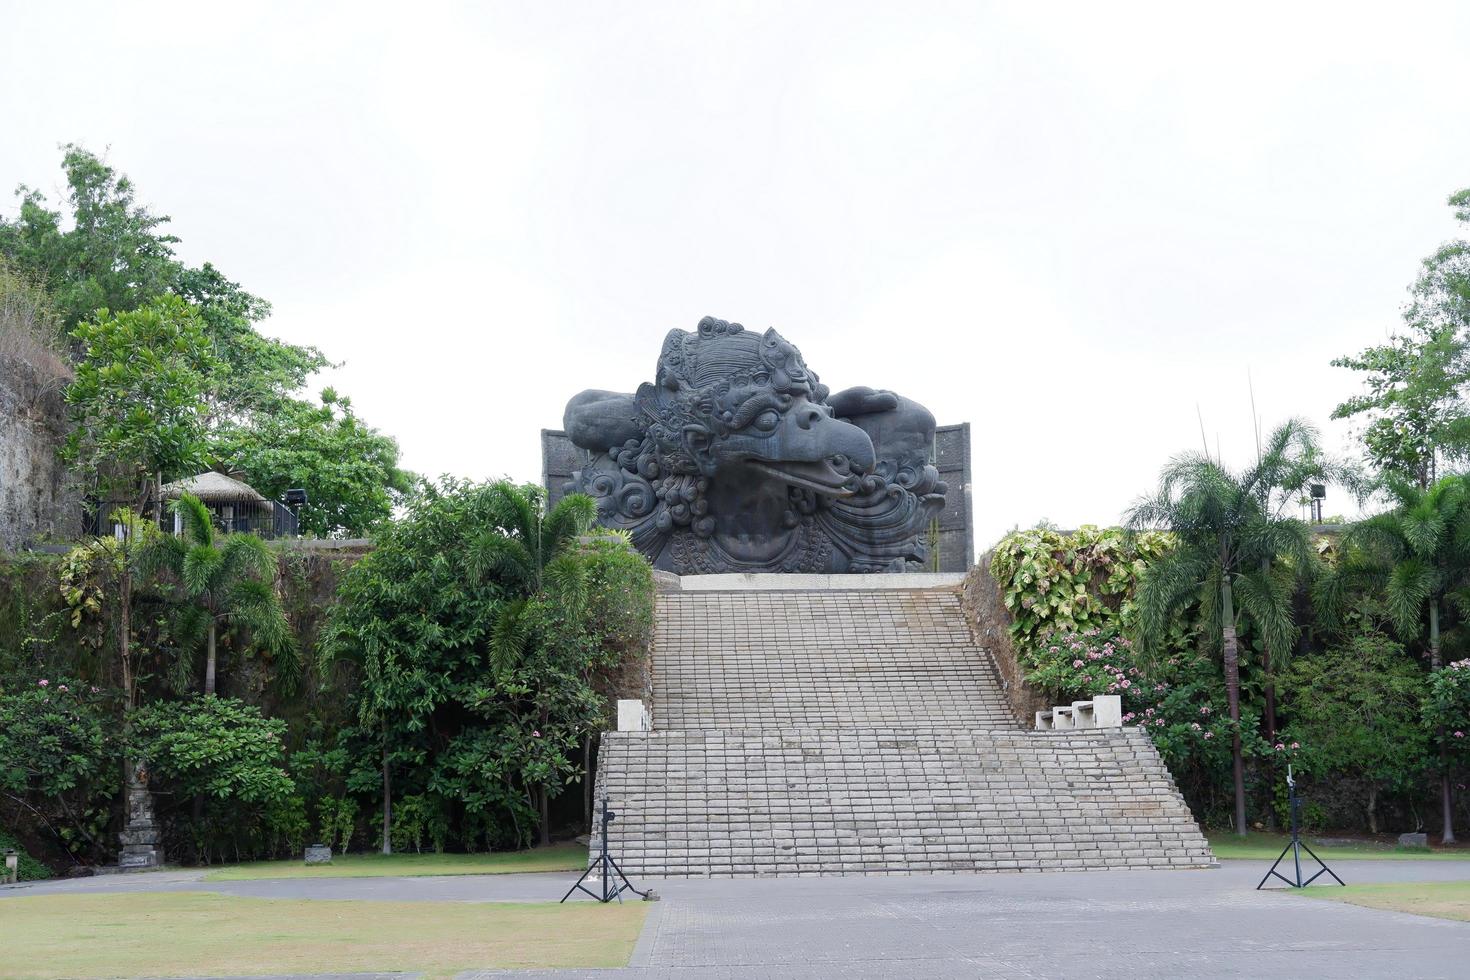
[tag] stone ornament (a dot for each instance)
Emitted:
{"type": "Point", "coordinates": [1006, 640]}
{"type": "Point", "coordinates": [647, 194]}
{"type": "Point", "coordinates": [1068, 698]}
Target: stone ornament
{"type": "Point", "coordinates": [738, 459]}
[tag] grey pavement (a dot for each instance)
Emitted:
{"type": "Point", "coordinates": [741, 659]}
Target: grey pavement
{"type": "Point", "coordinates": [1142, 924]}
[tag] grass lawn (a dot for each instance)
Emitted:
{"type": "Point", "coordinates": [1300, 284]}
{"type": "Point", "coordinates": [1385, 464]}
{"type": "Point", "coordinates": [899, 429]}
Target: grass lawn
{"type": "Point", "coordinates": [1258, 846]}
{"type": "Point", "coordinates": [205, 934]}
{"type": "Point", "coordinates": [557, 857]}
{"type": "Point", "coordinates": [1441, 899]}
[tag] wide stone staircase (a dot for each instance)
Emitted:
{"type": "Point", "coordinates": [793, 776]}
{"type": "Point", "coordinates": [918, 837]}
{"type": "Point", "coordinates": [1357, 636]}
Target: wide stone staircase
{"type": "Point", "coordinates": [863, 731]}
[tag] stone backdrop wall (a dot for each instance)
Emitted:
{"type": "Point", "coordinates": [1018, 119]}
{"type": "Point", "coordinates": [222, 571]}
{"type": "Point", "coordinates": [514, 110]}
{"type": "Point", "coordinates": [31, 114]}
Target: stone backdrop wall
{"type": "Point", "coordinates": [990, 621]}
{"type": "Point", "coordinates": [34, 500]}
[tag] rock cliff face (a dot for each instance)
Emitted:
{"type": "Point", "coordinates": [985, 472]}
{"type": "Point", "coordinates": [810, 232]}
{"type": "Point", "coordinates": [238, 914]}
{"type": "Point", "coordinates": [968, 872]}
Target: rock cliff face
{"type": "Point", "coordinates": [35, 502]}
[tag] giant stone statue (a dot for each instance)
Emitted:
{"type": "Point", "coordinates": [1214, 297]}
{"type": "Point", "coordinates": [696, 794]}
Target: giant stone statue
{"type": "Point", "coordinates": [737, 459]}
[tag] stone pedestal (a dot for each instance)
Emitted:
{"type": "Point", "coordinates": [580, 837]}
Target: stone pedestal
{"type": "Point", "coordinates": [142, 844]}
{"type": "Point", "coordinates": [318, 854]}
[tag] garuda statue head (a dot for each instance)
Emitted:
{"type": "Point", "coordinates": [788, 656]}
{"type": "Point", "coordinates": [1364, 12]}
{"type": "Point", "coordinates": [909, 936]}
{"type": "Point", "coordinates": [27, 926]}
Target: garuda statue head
{"type": "Point", "coordinates": [736, 458]}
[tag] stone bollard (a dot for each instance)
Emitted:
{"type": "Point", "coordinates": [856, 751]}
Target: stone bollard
{"type": "Point", "coordinates": [318, 854]}
{"type": "Point", "coordinates": [12, 867]}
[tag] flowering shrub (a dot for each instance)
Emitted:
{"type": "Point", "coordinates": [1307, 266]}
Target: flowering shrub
{"type": "Point", "coordinates": [1178, 701]}
{"type": "Point", "coordinates": [1447, 708]}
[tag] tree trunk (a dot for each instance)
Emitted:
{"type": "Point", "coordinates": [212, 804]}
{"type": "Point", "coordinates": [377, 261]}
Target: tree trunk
{"type": "Point", "coordinates": [125, 631]}
{"type": "Point", "coordinates": [387, 798]}
{"type": "Point", "coordinates": [157, 499]}
{"type": "Point", "coordinates": [588, 778]}
{"type": "Point", "coordinates": [209, 661]}
{"type": "Point", "coordinates": [1372, 809]}
{"type": "Point", "coordinates": [1232, 694]}
{"type": "Point", "coordinates": [543, 802]}
{"type": "Point", "coordinates": [1446, 793]}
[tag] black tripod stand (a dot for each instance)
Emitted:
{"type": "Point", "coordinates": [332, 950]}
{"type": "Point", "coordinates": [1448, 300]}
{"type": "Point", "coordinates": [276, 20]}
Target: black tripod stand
{"type": "Point", "coordinates": [1296, 846]}
{"type": "Point", "coordinates": [614, 882]}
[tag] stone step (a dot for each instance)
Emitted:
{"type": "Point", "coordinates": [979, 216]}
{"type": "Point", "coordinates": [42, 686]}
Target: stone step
{"type": "Point", "coordinates": [817, 801]}
{"type": "Point", "coordinates": [836, 659]}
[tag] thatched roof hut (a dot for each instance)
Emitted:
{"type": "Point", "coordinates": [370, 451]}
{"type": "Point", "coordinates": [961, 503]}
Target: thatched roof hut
{"type": "Point", "coordinates": [213, 488]}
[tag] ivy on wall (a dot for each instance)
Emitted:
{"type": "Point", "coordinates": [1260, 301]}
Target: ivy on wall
{"type": "Point", "coordinates": [1072, 582]}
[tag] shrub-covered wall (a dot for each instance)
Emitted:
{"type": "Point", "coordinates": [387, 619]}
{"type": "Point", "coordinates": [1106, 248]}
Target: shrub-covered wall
{"type": "Point", "coordinates": [1356, 711]}
{"type": "Point", "coordinates": [263, 768]}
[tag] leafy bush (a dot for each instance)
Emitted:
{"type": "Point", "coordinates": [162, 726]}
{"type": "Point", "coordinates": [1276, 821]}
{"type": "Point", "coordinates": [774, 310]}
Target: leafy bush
{"type": "Point", "coordinates": [1356, 719]}
{"type": "Point", "coordinates": [226, 757]}
{"type": "Point", "coordinates": [57, 761]}
{"type": "Point", "coordinates": [216, 747]}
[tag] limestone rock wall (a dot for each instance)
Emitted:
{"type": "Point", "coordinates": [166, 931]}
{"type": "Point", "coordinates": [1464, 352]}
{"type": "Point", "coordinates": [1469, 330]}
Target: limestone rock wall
{"type": "Point", "coordinates": [35, 502]}
{"type": "Point", "coordinates": [984, 608]}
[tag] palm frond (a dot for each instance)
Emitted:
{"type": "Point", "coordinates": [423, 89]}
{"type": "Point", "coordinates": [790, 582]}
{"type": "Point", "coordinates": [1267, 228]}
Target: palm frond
{"type": "Point", "coordinates": [1266, 601]}
{"type": "Point", "coordinates": [198, 524]}
{"type": "Point", "coordinates": [201, 563]}
{"type": "Point", "coordinates": [571, 516]}
{"type": "Point", "coordinates": [508, 636]}
{"type": "Point", "coordinates": [566, 579]}
{"type": "Point", "coordinates": [1409, 585]}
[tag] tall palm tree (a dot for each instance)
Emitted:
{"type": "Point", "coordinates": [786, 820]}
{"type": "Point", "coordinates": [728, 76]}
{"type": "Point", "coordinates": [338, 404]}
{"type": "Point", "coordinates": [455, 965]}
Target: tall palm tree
{"type": "Point", "coordinates": [228, 580]}
{"type": "Point", "coordinates": [1237, 555]}
{"type": "Point", "coordinates": [1418, 556]}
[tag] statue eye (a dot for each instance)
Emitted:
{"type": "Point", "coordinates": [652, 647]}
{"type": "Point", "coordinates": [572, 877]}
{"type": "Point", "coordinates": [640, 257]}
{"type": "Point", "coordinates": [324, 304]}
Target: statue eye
{"type": "Point", "coordinates": [767, 421]}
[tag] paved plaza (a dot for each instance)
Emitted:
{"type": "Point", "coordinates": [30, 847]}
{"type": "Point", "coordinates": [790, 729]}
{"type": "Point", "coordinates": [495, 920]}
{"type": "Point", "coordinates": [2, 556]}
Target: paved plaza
{"type": "Point", "coordinates": [1208, 923]}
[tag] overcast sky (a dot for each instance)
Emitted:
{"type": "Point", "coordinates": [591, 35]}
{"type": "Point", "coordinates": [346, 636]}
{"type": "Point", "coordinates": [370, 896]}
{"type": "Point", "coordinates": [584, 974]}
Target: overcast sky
{"type": "Point", "coordinates": [1072, 226]}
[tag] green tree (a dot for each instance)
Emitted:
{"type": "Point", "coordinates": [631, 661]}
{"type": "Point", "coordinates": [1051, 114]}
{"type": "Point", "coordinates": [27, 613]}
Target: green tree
{"type": "Point", "coordinates": [1355, 712]}
{"type": "Point", "coordinates": [1237, 556]}
{"type": "Point", "coordinates": [1418, 555]}
{"type": "Point", "coordinates": [1415, 409]}
{"type": "Point", "coordinates": [115, 254]}
{"type": "Point", "coordinates": [256, 373]}
{"type": "Point", "coordinates": [471, 627]}
{"type": "Point", "coordinates": [227, 580]}
{"type": "Point", "coordinates": [348, 469]}
{"type": "Point", "coordinates": [138, 398]}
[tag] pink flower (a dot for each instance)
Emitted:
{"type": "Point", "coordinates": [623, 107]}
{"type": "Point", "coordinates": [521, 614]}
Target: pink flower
{"type": "Point", "coordinates": [535, 733]}
{"type": "Point", "coordinates": [43, 682]}
{"type": "Point", "coordinates": [1209, 734]}
{"type": "Point", "coordinates": [1204, 709]}
{"type": "Point", "coordinates": [1194, 725]}
{"type": "Point", "coordinates": [1459, 734]}
{"type": "Point", "coordinates": [94, 690]}
{"type": "Point", "coordinates": [62, 687]}
{"type": "Point", "coordinates": [1125, 683]}
{"type": "Point", "coordinates": [1076, 663]}
{"type": "Point", "coordinates": [1296, 745]}
{"type": "Point", "coordinates": [1280, 747]}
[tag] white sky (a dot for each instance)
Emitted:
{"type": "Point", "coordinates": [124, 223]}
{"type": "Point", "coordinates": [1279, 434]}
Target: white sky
{"type": "Point", "coordinates": [1068, 224]}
